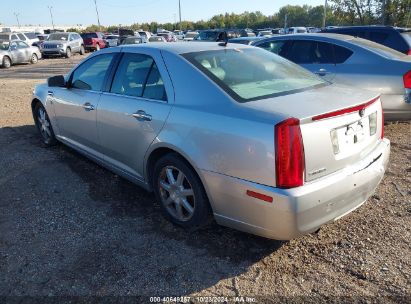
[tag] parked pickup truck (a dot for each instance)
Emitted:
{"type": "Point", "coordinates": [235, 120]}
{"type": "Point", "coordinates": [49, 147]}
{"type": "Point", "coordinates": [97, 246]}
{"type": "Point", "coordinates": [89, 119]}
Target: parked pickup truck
{"type": "Point", "coordinates": [93, 41]}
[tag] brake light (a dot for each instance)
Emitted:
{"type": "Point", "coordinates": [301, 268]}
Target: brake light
{"type": "Point", "coordinates": [407, 80]}
{"type": "Point", "coordinates": [346, 111]}
{"type": "Point", "coordinates": [409, 52]}
{"type": "Point", "coordinates": [289, 154]}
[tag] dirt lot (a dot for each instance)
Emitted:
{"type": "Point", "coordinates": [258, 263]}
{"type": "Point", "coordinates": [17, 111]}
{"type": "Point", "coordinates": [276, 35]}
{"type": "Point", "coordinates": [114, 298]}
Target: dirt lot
{"type": "Point", "coordinates": [70, 228]}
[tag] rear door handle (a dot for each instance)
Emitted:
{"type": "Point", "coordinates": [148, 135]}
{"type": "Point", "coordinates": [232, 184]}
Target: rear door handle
{"type": "Point", "coordinates": [88, 106]}
{"type": "Point", "coordinates": [142, 116]}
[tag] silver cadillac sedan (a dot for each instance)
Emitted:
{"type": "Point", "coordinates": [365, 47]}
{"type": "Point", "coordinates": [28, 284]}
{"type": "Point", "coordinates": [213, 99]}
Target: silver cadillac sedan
{"type": "Point", "coordinates": [229, 132]}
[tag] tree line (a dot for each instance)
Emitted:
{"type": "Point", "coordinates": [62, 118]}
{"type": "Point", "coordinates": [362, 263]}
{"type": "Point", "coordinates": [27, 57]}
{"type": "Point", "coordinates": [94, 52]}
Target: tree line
{"type": "Point", "coordinates": [339, 12]}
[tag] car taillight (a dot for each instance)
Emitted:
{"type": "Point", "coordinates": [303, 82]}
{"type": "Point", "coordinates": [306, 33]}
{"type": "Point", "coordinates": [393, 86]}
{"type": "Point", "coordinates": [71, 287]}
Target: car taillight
{"type": "Point", "coordinates": [409, 52]}
{"type": "Point", "coordinates": [407, 80]}
{"type": "Point", "coordinates": [289, 154]}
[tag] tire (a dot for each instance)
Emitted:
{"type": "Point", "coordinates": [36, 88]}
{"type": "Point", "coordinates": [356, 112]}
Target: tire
{"type": "Point", "coordinates": [6, 62]}
{"type": "Point", "coordinates": [182, 198]}
{"type": "Point", "coordinates": [97, 47]}
{"type": "Point", "coordinates": [34, 59]}
{"type": "Point", "coordinates": [82, 50]}
{"type": "Point", "coordinates": [68, 53]}
{"type": "Point", "coordinates": [43, 125]}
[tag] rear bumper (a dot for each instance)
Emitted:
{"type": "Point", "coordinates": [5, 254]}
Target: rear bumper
{"type": "Point", "coordinates": [298, 211]}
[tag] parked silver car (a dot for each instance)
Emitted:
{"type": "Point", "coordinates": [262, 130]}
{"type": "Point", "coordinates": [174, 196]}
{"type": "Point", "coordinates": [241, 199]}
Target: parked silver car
{"type": "Point", "coordinates": [12, 52]}
{"type": "Point", "coordinates": [63, 44]}
{"type": "Point", "coordinates": [255, 140]}
{"type": "Point", "coordinates": [354, 62]}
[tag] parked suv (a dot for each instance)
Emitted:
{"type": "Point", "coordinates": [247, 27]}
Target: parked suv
{"type": "Point", "coordinates": [63, 44]}
{"type": "Point", "coordinates": [394, 37]}
{"type": "Point", "coordinates": [93, 41]}
{"type": "Point", "coordinates": [12, 36]}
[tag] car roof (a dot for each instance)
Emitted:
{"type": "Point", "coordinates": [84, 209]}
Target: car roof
{"type": "Point", "coordinates": [184, 47]}
{"type": "Point", "coordinates": [317, 35]}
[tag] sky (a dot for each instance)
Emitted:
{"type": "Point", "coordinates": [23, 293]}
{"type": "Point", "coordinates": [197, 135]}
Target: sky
{"type": "Point", "coordinates": [113, 12]}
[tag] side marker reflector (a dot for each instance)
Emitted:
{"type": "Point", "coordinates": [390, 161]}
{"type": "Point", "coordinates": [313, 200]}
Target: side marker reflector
{"type": "Point", "coordinates": [260, 196]}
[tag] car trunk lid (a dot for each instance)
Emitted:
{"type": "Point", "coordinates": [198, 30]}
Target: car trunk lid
{"type": "Point", "coordinates": [339, 126]}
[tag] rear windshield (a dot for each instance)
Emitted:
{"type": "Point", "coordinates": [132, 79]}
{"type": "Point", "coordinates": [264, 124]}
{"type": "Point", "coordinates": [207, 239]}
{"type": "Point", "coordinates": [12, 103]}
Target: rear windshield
{"type": "Point", "coordinates": [4, 37]}
{"type": "Point", "coordinates": [112, 37]}
{"type": "Point", "coordinates": [58, 36]}
{"type": "Point", "coordinates": [253, 74]}
{"type": "Point", "coordinates": [191, 35]}
{"type": "Point", "coordinates": [89, 35]}
{"type": "Point", "coordinates": [378, 48]}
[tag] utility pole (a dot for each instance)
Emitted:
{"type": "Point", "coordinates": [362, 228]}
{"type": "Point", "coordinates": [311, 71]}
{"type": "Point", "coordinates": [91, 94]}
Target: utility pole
{"type": "Point", "coordinates": [98, 17]}
{"type": "Point", "coordinates": [383, 12]}
{"type": "Point", "coordinates": [285, 21]}
{"type": "Point", "coordinates": [179, 10]}
{"type": "Point", "coordinates": [51, 15]}
{"type": "Point", "coordinates": [325, 14]}
{"type": "Point", "coordinates": [17, 17]}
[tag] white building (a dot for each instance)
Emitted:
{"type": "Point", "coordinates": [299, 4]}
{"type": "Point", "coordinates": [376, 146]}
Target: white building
{"type": "Point", "coordinates": [37, 28]}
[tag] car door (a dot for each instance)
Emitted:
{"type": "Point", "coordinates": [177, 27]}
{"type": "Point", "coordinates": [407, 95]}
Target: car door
{"type": "Point", "coordinates": [315, 56]}
{"type": "Point", "coordinates": [74, 43]}
{"type": "Point", "coordinates": [75, 106]}
{"type": "Point", "coordinates": [134, 110]}
{"type": "Point", "coordinates": [24, 52]}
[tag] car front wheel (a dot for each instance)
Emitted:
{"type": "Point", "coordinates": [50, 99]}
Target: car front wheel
{"type": "Point", "coordinates": [82, 50]}
{"type": "Point", "coordinates": [180, 193]}
{"type": "Point", "coordinates": [34, 59]}
{"type": "Point", "coordinates": [6, 62]}
{"type": "Point", "coordinates": [43, 125]}
{"type": "Point", "coordinates": [68, 53]}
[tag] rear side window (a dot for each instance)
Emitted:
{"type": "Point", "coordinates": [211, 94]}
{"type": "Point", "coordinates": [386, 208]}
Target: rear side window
{"type": "Point", "coordinates": [92, 73]}
{"type": "Point", "coordinates": [21, 37]}
{"type": "Point", "coordinates": [276, 47]}
{"type": "Point", "coordinates": [379, 37]}
{"type": "Point", "coordinates": [311, 52]}
{"type": "Point", "coordinates": [138, 76]}
{"type": "Point", "coordinates": [341, 54]}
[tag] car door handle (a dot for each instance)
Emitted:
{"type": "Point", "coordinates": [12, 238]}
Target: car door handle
{"type": "Point", "coordinates": [88, 106]}
{"type": "Point", "coordinates": [142, 116]}
{"type": "Point", "coordinates": [322, 72]}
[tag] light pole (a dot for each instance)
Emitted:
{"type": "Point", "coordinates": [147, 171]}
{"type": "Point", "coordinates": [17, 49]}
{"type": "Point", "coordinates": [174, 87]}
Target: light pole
{"type": "Point", "coordinates": [98, 17]}
{"type": "Point", "coordinates": [17, 17]}
{"type": "Point", "coordinates": [325, 14]}
{"type": "Point", "coordinates": [179, 10]}
{"type": "Point", "coordinates": [383, 12]}
{"type": "Point", "coordinates": [51, 15]}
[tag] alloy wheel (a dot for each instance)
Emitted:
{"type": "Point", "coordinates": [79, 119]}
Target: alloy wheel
{"type": "Point", "coordinates": [44, 124]}
{"type": "Point", "coordinates": [176, 193]}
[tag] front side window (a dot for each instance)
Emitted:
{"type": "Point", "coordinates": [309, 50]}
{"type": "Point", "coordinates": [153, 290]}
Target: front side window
{"type": "Point", "coordinates": [252, 74]}
{"type": "Point", "coordinates": [22, 45]}
{"type": "Point", "coordinates": [138, 76]}
{"type": "Point", "coordinates": [91, 74]}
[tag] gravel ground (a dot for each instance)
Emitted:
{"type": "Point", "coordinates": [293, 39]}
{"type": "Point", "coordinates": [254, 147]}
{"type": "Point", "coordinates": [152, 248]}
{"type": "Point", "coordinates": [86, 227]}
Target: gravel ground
{"type": "Point", "coordinates": [71, 228]}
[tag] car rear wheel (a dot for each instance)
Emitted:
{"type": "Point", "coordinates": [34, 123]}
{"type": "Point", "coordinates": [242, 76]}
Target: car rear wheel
{"type": "Point", "coordinates": [43, 125]}
{"type": "Point", "coordinates": [179, 191]}
{"type": "Point", "coordinates": [6, 62]}
{"type": "Point", "coordinates": [82, 50]}
{"type": "Point", "coordinates": [68, 53]}
{"type": "Point", "coordinates": [34, 59]}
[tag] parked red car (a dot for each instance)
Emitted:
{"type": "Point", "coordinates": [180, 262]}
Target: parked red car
{"type": "Point", "coordinates": [93, 41]}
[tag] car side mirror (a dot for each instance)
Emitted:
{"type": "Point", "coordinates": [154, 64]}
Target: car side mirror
{"type": "Point", "coordinates": [57, 81]}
